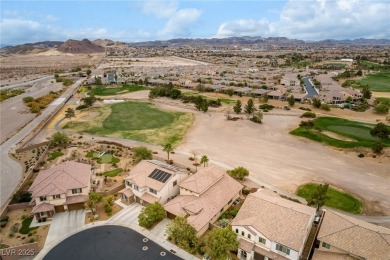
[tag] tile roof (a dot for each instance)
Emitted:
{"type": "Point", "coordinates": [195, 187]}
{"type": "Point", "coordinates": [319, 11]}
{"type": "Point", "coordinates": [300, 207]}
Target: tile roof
{"type": "Point", "coordinates": [149, 198]}
{"type": "Point", "coordinates": [280, 220]}
{"type": "Point", "coordinates": [203, 179]}
{"type": "Point", "coordinates": [43, 207]}
{"type": "Point", "coordinates": [61, 178]}
{"type": "Point", "coordinates": [355, 236]}
{"type": "Point", "coordinates": [76, 199]}
{"type": "Point", "coordinates": [201, 210]}
{"type": "Point", "coordinates": [250, 246]}
{"type": "Point", "coordinates": [127, 192]}
{"type": "Point", "coordinates": [139, 175]}
{"type": "Point", "coordinates": [324, 255]}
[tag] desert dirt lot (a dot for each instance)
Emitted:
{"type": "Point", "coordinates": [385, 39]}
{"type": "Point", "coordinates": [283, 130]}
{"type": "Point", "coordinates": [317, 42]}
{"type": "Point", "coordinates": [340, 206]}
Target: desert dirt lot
{"type": "Point", "coordinates": [21, 68]}
{"type": "Point", "coordinates": [277, 158]}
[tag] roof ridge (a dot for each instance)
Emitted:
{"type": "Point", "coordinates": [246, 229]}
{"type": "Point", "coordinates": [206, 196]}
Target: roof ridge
{"type": "Point", "coordinates": [47, 184]}
{"type": "Point", "coordinates": [280, 204]}
{"type": "Point", "coordinates": [72, 177]}
{"type": "Point", "coordinates": [384, 239]}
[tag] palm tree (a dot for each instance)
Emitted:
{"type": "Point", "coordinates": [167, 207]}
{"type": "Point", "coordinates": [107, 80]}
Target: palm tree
{"type": "Point", "coordinates": [168, 148]}
{"type": "Point", "coordinates": [204, 159]}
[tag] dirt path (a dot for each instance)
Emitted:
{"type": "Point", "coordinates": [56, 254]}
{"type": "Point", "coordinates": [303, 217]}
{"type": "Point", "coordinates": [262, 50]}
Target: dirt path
{"type": "Point", "coordinates": [275, 157]}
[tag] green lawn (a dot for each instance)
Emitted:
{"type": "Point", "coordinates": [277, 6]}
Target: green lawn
{"type": "Point", "coordinates": [25, 229]}
{"type": "Point", "coordinates": [379, 82]}
{"type": "Point", "coordinates": [109, 90]}
{"type": "Point", "coordinates": [337, 199]}
{"type": "Point", "coordinates": [227, 100]}
{"type": "Point", "coordinates": [137, 121]}
{"type": "Point", "coordinates": [105, 158]}
{"type": "Point", "coordinates": [54, 156]}
{"type": "Point", "coordinates": [113, 173]}
{"type": "Point", "coordinates": [383, 100]}
{"type": "Point", "coordinates": [351, 129]}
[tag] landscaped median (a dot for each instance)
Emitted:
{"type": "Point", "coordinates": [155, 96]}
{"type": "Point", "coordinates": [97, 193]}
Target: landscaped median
{"type": "Point", "coordinates": [340, 133]}
{"type": "Point", "coordinates": [337, 199]}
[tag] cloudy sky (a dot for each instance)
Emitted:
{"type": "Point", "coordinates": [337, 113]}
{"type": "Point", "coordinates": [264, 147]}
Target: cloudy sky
{"type": "Point", "coordinates": [131, 21]}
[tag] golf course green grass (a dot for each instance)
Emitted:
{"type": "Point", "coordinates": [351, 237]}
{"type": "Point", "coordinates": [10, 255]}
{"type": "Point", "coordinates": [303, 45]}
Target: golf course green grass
{"type": "Point", "coordinates": [337, 199]}
{"type": "Point", "coordinates": [136, 121]}
{"type": "Point", "coordinates": [105, 158]}
{"type": "Point", "coordinates": [358, 132]}
{"type": "Point", "coordinates": [379, 82]}
{"type": "Point", "coordinates": [110, 90]}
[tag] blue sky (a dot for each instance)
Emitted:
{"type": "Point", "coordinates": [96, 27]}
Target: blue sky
{"type": "Point", "coordinates": [130, 21]}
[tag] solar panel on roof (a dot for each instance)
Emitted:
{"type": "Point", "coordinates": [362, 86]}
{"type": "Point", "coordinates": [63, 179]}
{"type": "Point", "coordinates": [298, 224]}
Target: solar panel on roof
{"type": "Point", "coordinates": [160, 175]}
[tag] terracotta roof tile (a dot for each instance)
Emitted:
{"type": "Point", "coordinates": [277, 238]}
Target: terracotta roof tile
{"type": "Point", "coordinates": [355, 236]}
{"type": "Point", "coordinates": [280, 220]}
{"type": "Point", "coordinates": [43, 207]}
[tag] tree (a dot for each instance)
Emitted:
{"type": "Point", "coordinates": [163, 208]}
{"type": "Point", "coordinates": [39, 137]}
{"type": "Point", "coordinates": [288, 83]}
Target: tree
{"type": "Point", "coordinates": [250, 107]}
{"type": "Point", "coordinates": [183, 234]}
{"type": "Point", "coordinates": [381, 131]}
{"type": "Point", "coordinates": [204, 159]}
{"type": "Point", "coordinates": [88, 72]}
{"type": "Point", "coordinates": [204, 105]}
{"type": "Point", "coordinates": [88, 101]}
{"type": "Point", "coordinates": [198, 101]}
{"type": "Point", "coordinates": [238, 173]}
{"type": "Point", "coordinates": [265, 98]}
{"type": "Point", "coordinates": [348, 99]}
{"type": "Point", "coordinates": [291, 100]}
{"type": "Point", "coordinates": [377, 147]}
{"type": "Point", "coordinates": [28, 99]}
{"type": "Point", "coordinates": [309, 124]}
{"type": "Point", "coordinates": [237, 107]}
{"type": "Point", "coordinates": [98, 81]}
{"type": "Point", "coordinates": [141, 153]}
{"type": "Point", "coordinates": [316, 102]}
{"type": "Point", "coordinates": [219, 242]}
{"type": "Point", "coordinates": [257, 117]}
{"type": "Point", "coordinates": [59, 138]}
{"type": "Point", "coordinates": [318, 198]}
{"type": "Point", "coordinates": [69, 113]}
{"type": "Point", "coordinates": [168, 148]}
{"type": "Point", "coordinates": [93, 199]}
{"type": "Point", "coordinates": [381, 109]}
{"type": "Point", "coordinates": [230, 92]}
{"type": "Point", "coordinates": [366, 92]}
{"type": "Point", "coordinates": [151, 214]}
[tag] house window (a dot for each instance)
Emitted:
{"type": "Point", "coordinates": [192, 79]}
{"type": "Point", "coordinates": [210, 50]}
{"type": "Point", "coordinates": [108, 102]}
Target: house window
{"type": "Point", "coordinates": [242, 233]}
{"type": "Point", "coordinates": [283, 249]}
{"type": "Point", "coordinates": [153, 191]}
{"type": "Point", "coordinates": [43, 198]}
{"type": "Point", "coordinates": [58, 196]}
{"type": "Point", "coordinates": [237, 230]}
{"type": "Point", "coordinates": [174, 183]}
{"type": "Point", "coordinates": [244, 253]}
{"type": "Point", "coordinates": [135, 187]}
{"type": "Point", "coordinates": [325, 245]}
{"type": "Point", "coordinates": [75, 191]}
{"type": "Point", "coordinates": [262, 240]}
{"type": "Point", "coordinates": [249, 235]}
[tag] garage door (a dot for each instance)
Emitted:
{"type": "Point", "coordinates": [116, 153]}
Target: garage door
{"type": "Point", "coordinates": [76, 206]}
{"type": "Point", "coordinates": [59, 208]}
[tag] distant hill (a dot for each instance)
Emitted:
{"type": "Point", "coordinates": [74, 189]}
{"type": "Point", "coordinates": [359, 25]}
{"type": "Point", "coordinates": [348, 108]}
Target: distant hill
{"type": "Point", "coordinates": [247, 40]}
{"type": "Point", "coordinates": [30, 48]}
{"type": "Point", "coordinates": [84, 46]}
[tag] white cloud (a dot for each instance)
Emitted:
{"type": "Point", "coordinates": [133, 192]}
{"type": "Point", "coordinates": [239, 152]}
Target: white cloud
{"type": "Point", "coordinates": [160, 9]}
{"type": "Point", "coordinates": [180, 23]}
{"type": "Point", "coordinates": [320, 19]}
{"type": "Point", "coordinates": [51, 18]}
{"type": "Point", "coordinates": [19, 31]}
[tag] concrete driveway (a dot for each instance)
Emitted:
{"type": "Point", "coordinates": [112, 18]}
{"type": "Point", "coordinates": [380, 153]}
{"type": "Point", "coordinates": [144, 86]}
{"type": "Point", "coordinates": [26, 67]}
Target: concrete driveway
{"type": "Point", "coordinates": [127, 217]}
{"type": "Point", "coordinates": [65, 222]}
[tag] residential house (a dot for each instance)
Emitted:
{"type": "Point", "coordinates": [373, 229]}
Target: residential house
{"type": "Point", "coordinates": [204, 196]}
{"type": "Point", "coordinates": [64, 187]}
{"type": "Point", "coordinates": [345, 237]}
{"type": "Point", "coordinates": [270, 227]}
{"type": "Point", "coordinates": [111, 78]}
{"type": "Point", "coordinates": [152, 181]}
{"type": "Point", "coordinates": [290, 80]}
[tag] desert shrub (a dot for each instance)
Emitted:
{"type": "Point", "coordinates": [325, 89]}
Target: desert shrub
{"type": "Point", "coordinates": [4, 218]}
{"type": "Point", "coordinates": [28, 99]}
{"type": "Point", "coordinates": [308, 115]}
{"type": "Point", "coordinates": [360, 155]}
{"type": "Point", "coordinates": [325, 107]}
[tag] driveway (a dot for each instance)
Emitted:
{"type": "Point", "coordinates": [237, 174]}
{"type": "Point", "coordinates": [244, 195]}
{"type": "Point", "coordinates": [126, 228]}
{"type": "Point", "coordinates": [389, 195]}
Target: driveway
{"type": "Point", "coordinates": [127, 217]}
{"type": "Point", "coordinates": [65, 222]}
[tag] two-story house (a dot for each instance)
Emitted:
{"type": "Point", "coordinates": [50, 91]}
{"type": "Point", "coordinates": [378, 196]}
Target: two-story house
{"type": "Point", "coordinates": [152, 181]}
{"type": "Point", "coordinates": [345, 237]}
{"type": "Point", "coordinates": [270, 227]}
{"type": "Point", "coordinates": [204, 196]}
{"type": "Point", "coordinates": [64, 187]}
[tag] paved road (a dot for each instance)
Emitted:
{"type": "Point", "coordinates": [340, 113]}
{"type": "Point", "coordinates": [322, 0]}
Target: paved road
{"type": "Point", "coordinates": [13, 111]}
{"type": "Point", "coordinates": [311, 91]}
{"type": "Point", "coordinates": [11, 171]}
{"type": "Point", "coordinates": [19, 85]}
{"type": "Point", "coordinates": [108, 242]}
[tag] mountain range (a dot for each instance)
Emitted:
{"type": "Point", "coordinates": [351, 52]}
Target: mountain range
{"type": "Point", "coordinates": [87, 46]}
